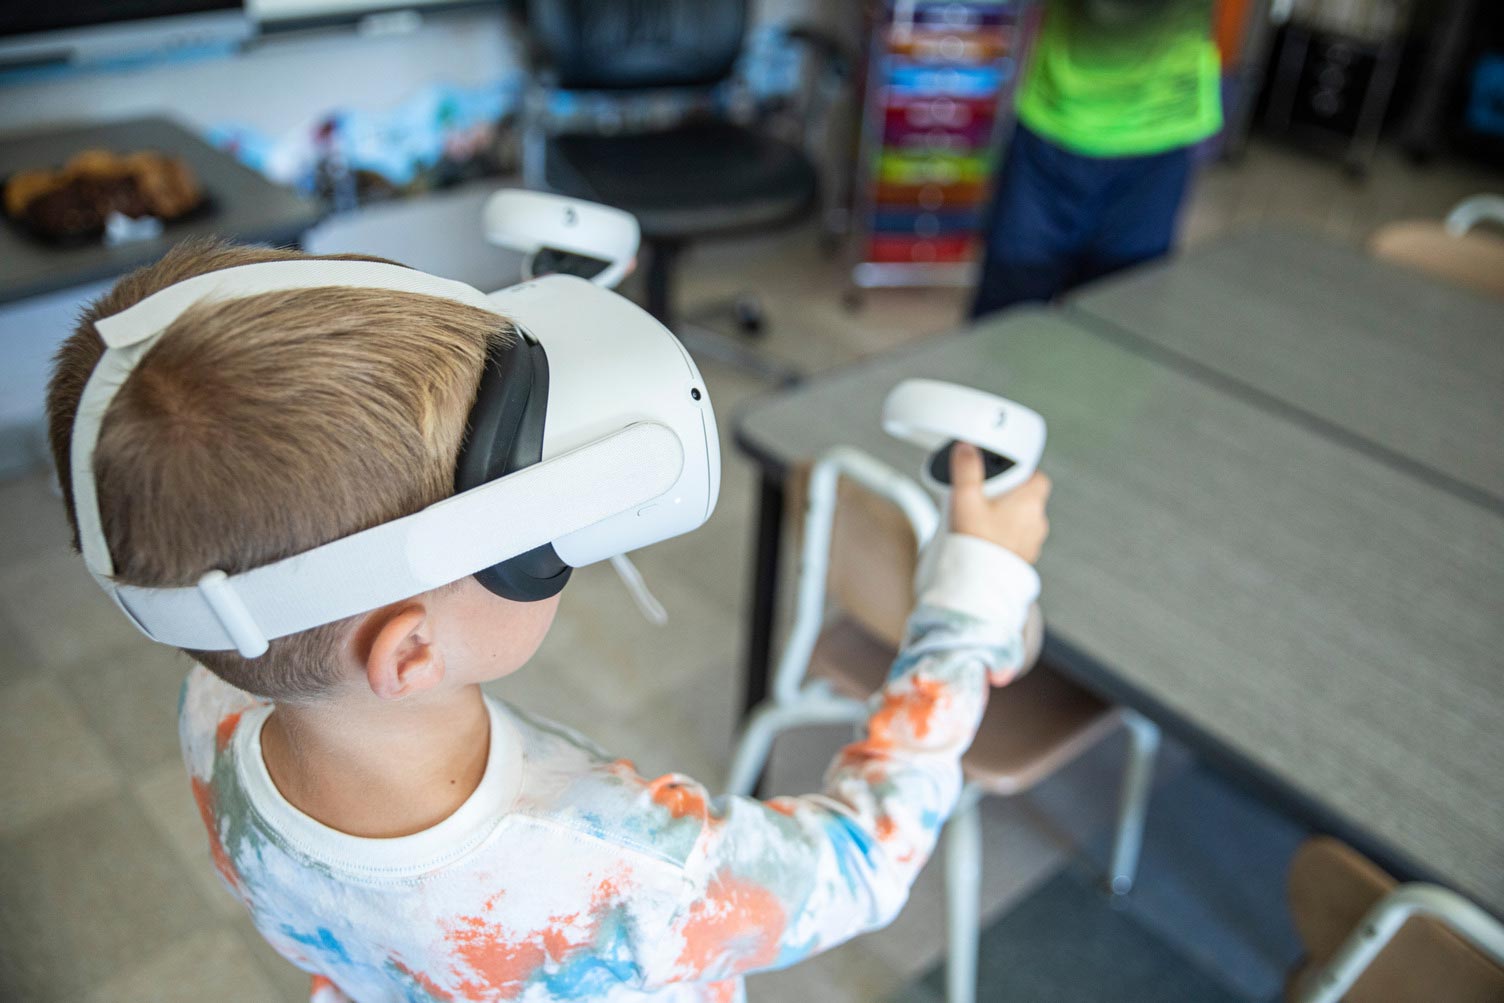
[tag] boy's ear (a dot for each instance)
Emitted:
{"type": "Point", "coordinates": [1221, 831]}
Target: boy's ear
{"type": "Point", "coordinates": [399, 653]}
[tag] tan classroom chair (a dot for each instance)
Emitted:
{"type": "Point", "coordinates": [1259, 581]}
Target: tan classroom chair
{"type": "Point", "coordinates": [1369, 939]}
{"type": "Point", "coordinates": [1456, 251]}
{"type": "Point", "coordinates": [869, 526]}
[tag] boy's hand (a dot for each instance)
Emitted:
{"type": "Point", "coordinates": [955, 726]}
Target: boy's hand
{"type": "Point", "coordinates": [1015, 520]}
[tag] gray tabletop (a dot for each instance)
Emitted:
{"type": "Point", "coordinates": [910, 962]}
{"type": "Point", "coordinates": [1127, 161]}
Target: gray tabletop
{"type": "Point", "coordinates": [1298, 607]}
{"type": "Point", "coordinates": [1394, 360]}
{"type": "Point", "coordinates": [245, 206]}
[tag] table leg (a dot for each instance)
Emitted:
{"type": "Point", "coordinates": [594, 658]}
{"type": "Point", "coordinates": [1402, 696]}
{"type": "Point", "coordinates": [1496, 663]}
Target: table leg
{"type": "Point", "coordinates": [764, 589]}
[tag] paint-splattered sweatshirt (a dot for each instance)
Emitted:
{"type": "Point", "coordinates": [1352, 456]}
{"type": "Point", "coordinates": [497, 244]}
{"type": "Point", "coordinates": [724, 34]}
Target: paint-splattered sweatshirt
{"type": "Point", "coordinates": [568, 876]}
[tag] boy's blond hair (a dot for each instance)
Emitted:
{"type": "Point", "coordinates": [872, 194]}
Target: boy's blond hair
{"type": "Point", "coordinates": [261, 427]}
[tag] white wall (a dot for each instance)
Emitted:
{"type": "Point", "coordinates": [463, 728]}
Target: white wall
{"type": "Point", "coordinates": [279, 84]}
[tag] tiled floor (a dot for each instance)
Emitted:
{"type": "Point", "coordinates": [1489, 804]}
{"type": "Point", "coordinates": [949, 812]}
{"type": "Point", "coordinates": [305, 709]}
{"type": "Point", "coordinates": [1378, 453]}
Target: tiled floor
{"type": "Point", "coordinates": [105, 887]}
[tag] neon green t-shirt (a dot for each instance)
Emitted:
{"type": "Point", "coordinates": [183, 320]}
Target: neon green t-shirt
{"type": "Point", "coordinates": [1120, 78]}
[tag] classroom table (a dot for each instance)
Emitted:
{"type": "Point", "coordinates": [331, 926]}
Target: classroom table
{"type": "Point", "coordinates": [1305, 613]}
{"type": "Point", "coordinates": [243, 205]}
{"type": "Point", "coordinates": [1381, 357]}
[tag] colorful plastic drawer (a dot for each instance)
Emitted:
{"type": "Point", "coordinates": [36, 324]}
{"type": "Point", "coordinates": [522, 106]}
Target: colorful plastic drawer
{"type": "Point", "coordinates": [962, 140]}
{"type": "Point", "coordinates": [915, 249]}
{"type": "Point", "coordinates": [959, 16]}
{"type": "Point", "coordinates": [920, 223]}
{"type": "Point", "coordinates": [939, 113]}
{"type": "Point", "coordinates": [972, 47]}
{"type": "Point", "coordinates": [954, 81]}
{"type": "Point", "coordinates": [930, 196]}
{"type": "Point", "coordinates": [912, 169]}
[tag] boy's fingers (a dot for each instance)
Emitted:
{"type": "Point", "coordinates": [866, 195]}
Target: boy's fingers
{"type": "Point", "coordinates": [1037, 486]}
{"type": "Point", "coordinates": [965, 468]}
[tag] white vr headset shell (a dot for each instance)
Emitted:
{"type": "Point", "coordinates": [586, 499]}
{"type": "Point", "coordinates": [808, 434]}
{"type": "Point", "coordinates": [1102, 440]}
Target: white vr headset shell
{"type": "Point", "coordinates": [629, 457]}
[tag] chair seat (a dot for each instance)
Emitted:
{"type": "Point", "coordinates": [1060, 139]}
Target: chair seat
{"type": "Point", "coordinates": [1032, 727]}
{"type": "Point", "coordinates": [1331, 888]}
{"type": "Point", "coordinates": [693, 180]}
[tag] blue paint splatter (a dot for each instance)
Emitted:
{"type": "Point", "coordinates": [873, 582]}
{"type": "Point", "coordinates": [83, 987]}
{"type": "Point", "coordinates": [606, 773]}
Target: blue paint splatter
{"type": "Point", "coordinates": [590, 973]}
{"type": "Point", "coordinates": [322, 940]}
{"type": "Point", "coordinates": [845, 837]}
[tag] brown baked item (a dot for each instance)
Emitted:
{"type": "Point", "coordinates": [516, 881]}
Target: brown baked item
{"type": "Point", "coordinates": [78, 198]}
{"type": "Point", "coordinates": [167, 184]}
{"type": "Point", "coordinates": [23, 186]}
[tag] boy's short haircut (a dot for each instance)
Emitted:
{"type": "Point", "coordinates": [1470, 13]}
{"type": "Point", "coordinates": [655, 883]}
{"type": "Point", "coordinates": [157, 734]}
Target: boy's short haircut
{"type": "Point", "coordinates": [261, 427]}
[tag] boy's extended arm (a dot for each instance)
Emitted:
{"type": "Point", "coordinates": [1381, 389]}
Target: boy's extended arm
{"type": "Point", "coordinates": [771, 883]}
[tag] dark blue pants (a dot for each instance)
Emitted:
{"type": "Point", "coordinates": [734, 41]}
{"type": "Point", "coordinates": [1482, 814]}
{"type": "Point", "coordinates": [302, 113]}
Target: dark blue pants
{"type": "Point", "coordinates": [1059, 219]}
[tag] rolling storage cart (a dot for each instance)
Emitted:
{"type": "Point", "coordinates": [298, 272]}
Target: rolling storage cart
{"type": "Point", "coordinates": [939, 88]}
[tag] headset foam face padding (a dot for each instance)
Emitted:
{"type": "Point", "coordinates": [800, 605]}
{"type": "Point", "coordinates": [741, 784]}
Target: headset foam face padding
{"type": "Point", "coordinates": [505, 434]}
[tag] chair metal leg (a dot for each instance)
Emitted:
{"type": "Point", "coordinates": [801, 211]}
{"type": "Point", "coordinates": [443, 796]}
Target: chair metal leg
{"type": "Point", "coordinates": [662, 257]}
{"type": "Point", "coordinates": [963, 887]}
{"type": "Point", "coordinates": [1133, 802]}
{"type": "Point", "coordinates": [769, 719]}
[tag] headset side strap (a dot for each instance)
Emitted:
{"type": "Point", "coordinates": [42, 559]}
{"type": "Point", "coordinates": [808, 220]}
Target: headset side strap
{"type": "Point", "coordinates": [396, 560]}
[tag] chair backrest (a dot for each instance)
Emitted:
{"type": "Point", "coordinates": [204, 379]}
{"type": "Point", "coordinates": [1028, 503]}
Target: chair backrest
{"type": "Point", "coordinates": [1484, 208]}
{"type": "Point", "coordinates": [872, 560]}
{"type": "Point", "coordinates": [638, 44]}
{"type": "Point", "coordinates": [1332, 887]}
{"type": "Point", "coordinates": [873, 555]}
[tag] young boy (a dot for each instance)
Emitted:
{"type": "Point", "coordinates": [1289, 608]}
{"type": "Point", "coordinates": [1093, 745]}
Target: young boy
{"type": "Point", "coordinates": [392, 830]}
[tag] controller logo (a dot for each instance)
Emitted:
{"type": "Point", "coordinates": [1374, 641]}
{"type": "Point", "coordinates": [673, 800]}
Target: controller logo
{"type": "Point", "coordinates": [1002, 416]}
{"type": "Point", "coordinates": [570, 216]}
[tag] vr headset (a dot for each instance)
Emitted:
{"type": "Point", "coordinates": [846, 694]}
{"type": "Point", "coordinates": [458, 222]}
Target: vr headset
{"type": "Point", "coordinates": [591, 435]}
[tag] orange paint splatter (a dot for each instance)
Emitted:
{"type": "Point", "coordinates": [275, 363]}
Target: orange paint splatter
{"type": "Point", "coordinates": [503, 965]}
{"type": "Point", "coordinates": [737, 920]}
{"type": "Point", "coordinates": [783, 806]}
{"type": "Point", "coordinates": [885, 827]}
{"type": "Point", "coordinates": [204, 798]}
{"type": "Point", "coordinates": [226, 729]}
{"type": "Point", "coordinates": [721, 992]}
{"type": "Point", "coordinates": [915, 708]}
{"type": "Point", "coordinates": [429, 986]}
{"type": "Point", "coordinates": [557, 943]}
{"type": "Point", "coordinates": [679, 797]}
{"type": "Point", "coordinates": [859, 754]}
{"type": "Point", "coordinates": [605, 895]}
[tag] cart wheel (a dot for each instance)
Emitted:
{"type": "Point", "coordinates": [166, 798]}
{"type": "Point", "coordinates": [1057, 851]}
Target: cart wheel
{"type": "Point", "coordinates": [750, 319]}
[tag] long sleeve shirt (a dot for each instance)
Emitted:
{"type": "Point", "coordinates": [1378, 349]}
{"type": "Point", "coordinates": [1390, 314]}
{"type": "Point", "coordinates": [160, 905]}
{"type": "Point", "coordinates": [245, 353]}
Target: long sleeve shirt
{"type": "Point", "coordinates": [568, 876]}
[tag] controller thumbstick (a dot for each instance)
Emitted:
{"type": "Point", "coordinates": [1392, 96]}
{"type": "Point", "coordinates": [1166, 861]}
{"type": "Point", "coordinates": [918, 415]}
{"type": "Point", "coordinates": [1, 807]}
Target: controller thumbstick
{"type": "Point", "coordinates": [993, 464]}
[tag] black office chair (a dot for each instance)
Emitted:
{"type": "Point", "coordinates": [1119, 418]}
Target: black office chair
{"type": "Point", "coordinates": [698, 176]}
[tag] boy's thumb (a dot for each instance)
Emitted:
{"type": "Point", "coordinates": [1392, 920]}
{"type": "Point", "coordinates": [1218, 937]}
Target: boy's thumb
{"type": "Point", "coordinates": [965, 467]}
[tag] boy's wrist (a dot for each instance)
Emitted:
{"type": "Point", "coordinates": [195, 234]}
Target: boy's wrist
{"type": "Point", "coordinates": [982, 579]}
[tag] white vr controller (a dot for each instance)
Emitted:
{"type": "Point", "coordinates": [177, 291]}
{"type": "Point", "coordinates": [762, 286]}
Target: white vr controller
{"type": "Point", "coordinates": [560, 234]}
{"type": "Point", "coordinates": [935, 415]}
